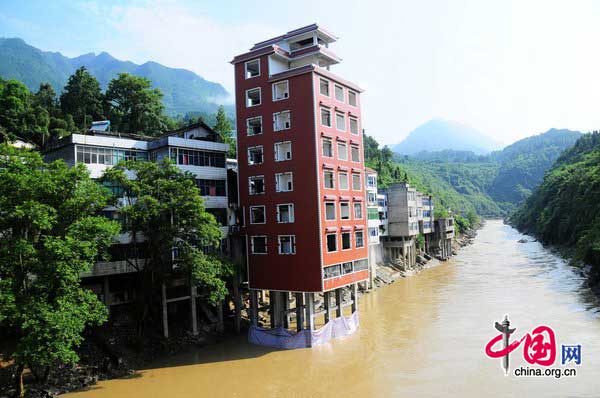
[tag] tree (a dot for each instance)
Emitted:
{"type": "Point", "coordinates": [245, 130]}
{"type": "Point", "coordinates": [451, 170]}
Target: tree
{"type": "Point", "coordinates": [134, 106]}
{"type": "Point", "coordinates": [49, 234]}
{"type": "Point", "coordinates": [82, 98]}
{"type": "Point", "coordinates": [164, 205]}
{"type": "Point", "coordinates": [14, 106]}
{"type": "Point", "coordinates": [223, 127]}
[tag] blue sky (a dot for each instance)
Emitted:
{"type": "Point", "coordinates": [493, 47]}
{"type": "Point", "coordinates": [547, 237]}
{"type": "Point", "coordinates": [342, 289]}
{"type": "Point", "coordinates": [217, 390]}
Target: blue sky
{"type": "Point", "coordinates": [507, 68]}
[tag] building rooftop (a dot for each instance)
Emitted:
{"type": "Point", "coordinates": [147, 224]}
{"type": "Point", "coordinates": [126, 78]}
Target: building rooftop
{"type": "Point", "coordinates": [323, 35]}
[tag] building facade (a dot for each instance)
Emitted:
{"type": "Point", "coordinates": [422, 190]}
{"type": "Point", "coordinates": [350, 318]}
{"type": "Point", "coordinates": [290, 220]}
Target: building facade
{"type": "Point", "coordinates": [301, 170]}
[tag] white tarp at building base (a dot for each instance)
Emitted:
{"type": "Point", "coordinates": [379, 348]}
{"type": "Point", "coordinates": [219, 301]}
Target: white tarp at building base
{"type": "Point", "coordinates": [283, 338]}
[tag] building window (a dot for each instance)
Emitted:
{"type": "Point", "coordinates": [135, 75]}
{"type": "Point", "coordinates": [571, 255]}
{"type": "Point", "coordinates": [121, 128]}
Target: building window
{"type": "Point", "coordinates": [342, 150]}
{"type": "Point", "coordinates": [98, 155]}
{"type": "Point", "coordinates": [325, 117]}
{"type": "Point", "coordinates": [253, 97]}
{"type": "Point", "coordinates": [372, 198]}
{"type": "Point", "coordinates": [359, 240]}
{"type": "Point", "coordinates": [284, 182]}
{"type": "Point", "coordinates": [373, 232]}
{"type": "Point", "coordinates": [281, 91]}
{"type": "Point", "coordinates": [285, 213]}
{"type": "Point", "coordinates": [340, 121]}
{"type": "Point", "coordinates": [329, 211]}
{"type": "Point", "coordinates": [328, 179]}
{"type": "Point", "coordinates": [191, 157]}
{"type": "Point", "coordinates": [343, 180]}
{"type": "Point", "coordinates": [324, 87]}
{"type": "Point", "coordinates": [211, 187]}
{"type": "Point", "coordinates": [257, 215]}
{"type": "Point", "coordinates": [259, 244]}
{"type": "Point", "coordinates": [287, 244]}
{"type": "Point", "coordinates": [352, 98]}
{"type": "Point", "coordinates": [339, 93]}
{"type": "Point", "coordinates": [372, 181]}
{"type": "Point", "coordinates": [355, 153]}
{"type": "Point", "coordinates": [255, 155]}
{"type": "Point", "coordinates": [344, 211]}
{"type": "Point", "coordinates": [331, 243]}
{"type": "Point", "coordinates": [256, 185]}
{"type": "Point", "coordinates": [253, 68]}
{"type": "Point", "coordinates": [283, 151]}
{"type": "Point", "coordinates": [356, 185]}
{"type": "Point", "coordinates": [354, 126]}
{"type": "Point", "coordinates": [282, 121]}
{"type": "Point", "coordinates": [346, 241]}
{"type": "Point", "coordinates": [358, 211]}
{"type": "Point", "coordinates": [332, 271]}
{"type": "Point", "coordinates": [327, 147]}
{"type": "Point", "coordinates": [254, 126]}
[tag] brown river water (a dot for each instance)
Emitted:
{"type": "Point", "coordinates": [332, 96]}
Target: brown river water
{"type": "Point", "coordinates": [423, 336]}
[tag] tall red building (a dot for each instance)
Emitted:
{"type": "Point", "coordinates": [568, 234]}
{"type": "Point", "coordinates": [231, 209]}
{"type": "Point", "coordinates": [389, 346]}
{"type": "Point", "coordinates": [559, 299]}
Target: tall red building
{"type": "Point", "coordinates": [301, 170]}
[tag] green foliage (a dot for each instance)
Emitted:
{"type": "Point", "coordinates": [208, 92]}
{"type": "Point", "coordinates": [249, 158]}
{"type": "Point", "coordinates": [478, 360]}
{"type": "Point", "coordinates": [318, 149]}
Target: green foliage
{"type": "Point", "coordinates": [420, 241]}
{"type": "Point", "coordinates": [223, 127]}
{"type": "Point", "coordinates": [82, 98]}
{"type": "Point", "coordinates": [134, 106]}
{"type": "Point", "coordinates": [49, 235]}
{"type": "Point", "coordinates": [565, 209]}
{"type": "Point", "coordinates": [169, 212]}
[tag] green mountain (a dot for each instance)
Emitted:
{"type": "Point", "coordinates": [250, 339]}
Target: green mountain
{"type": "Point", "coordinates": [439, 134]}
{"type": "Point", "coordinates": [184, 91]}
{"type": "Point", "coordinates": [496, 183]}
{"type": "Point", "coordinates": [565, 209]}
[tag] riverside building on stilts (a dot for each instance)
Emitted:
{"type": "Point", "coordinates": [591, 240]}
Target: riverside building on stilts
{"type": "Point", "coordinates": [301, 187]}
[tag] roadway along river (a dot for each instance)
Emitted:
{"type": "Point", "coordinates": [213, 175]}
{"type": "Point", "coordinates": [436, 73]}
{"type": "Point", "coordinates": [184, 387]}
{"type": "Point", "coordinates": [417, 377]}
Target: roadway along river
{"type": "Point", "coordinates": [422, 336]}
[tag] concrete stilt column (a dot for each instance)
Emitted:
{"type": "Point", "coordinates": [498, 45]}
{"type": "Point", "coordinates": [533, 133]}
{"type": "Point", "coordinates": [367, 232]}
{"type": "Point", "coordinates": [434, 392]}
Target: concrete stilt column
{"type": "Point", "coordinates": [310, 311]}
{"type": "Point", "coordinates": [299, 311]}
{"type": "Point", "coordinates": [354, 296]}
{"type": "Point", "coordinates": [286, 309]}
{"type": "Point", "coordinates": [193, 310]}
{"type": "Point", "coordinates": [272, 309]}
{"type": "Point", "coordinates": [327, 299]}
{"type": "Point", "coordinates": [165, 314]}
{"type": "Point", "coordinates": [338, 302]}
{"type": "Point", "coordinates": [254, 307]}
{"type": "Point", "coordinates": [220, 321]}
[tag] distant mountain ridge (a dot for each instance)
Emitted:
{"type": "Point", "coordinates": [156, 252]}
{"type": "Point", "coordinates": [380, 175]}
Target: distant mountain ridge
{"type": "Point", "coordinates": [439, 134]}
{"type": "Point", "coordinates": [184, 91]}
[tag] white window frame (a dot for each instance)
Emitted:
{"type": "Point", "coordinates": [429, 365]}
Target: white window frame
{"type": "Point", "coordinates": [355, 98]}
{"type": "Point", "coordinates": [334, 211]}
{"type": "Point", "coordinates": [290, 210]}
{"type": "Point", "coordinates": [262, 152]}
{"type": "Point", "coordinates": [275, 124]}
{"type": "Point", "coordinates": [352, 147]}
{"type": "Point", "coordinates": [340, 174]}
{"type": "Point", "coordinates": [371, 177]}
{"type": "Point", "coordinates": [359, 181]}
{"type": "Point", "coordinates": [275, 150]}
{"type": "Point", "coordinates": [328, 87]}
{"type": "Point", "coordinates": [293, 243]}
{"type": "Point", "coordinates": [248, 125]}
{"type": "Point", "coordinates": [278, 175]}
{"type": "Point", "coordinates": [350, 120]}
{"type": "Point", "coordinates": [360, 206]}
{"type": "Point", "coordinates": [327, 242]}
{"type": "Point", "coordinates": [345, 204]}
{"type": "Point", "coordinates": [259, 97]}
{"type": "Point", "coordinates": [252, 244]}
{"type": "Point", "coordinates": [335, 87]}
{"type": "Point", "coordinates": [264, 185]}
{"type": "Point", "coordinates": [341, 143]}
{"type": "Point", "coordinates": [323, 140]}
{"type": "Point", "coordinates": [287, 91]}
{"type": "Point", "coordinates": [336, 121]}
{"type": "Point", "coordinates": [332, 178]}
{"type": "Point", "coordinates": [264, 211]}
{"type": "Point", "coordinates": [356, 240]}
{"type": "Point", "coordinates": [323, 108]}
{"type": "Point", "coordinates": [342, 241]}
{"type": "Point", "coordinates": [257, 60]}
{"type": "Point", "coordinates": [373, 229]}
